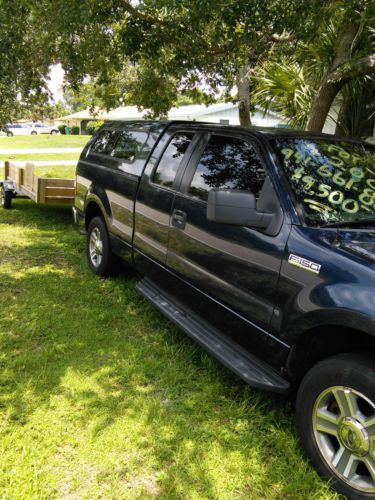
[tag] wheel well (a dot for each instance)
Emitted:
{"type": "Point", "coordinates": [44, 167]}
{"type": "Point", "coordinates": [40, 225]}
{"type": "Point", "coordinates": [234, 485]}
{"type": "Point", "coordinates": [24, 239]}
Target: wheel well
{"type": "Point", "coordinates": [322, 342]}
{"type": "Point", "coordinates": [92, 210]}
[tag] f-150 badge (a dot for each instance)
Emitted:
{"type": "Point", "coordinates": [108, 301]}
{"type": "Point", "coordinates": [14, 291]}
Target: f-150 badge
{"type": "Point", "coordinates": [313, 267]}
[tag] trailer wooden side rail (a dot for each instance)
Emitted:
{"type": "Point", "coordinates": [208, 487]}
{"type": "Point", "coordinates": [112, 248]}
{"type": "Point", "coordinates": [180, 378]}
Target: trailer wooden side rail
{"type": "Point", "coordinates": [22, 181]}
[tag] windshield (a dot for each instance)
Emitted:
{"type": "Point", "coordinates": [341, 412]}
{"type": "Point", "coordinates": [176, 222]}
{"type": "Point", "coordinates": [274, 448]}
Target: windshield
{"type": "Point", "coordinates": [333, 181]}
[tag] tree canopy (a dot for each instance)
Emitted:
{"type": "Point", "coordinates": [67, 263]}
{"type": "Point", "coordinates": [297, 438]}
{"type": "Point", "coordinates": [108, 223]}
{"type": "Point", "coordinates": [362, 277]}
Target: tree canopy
{"type": "Point", "coordinates": [150, 52]}
{"type": "Point", "coordinates": [335, 66]}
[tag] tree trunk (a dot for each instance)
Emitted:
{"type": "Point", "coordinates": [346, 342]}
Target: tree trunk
{"type": "Point", "coordinates": [321, 105]}
{"type": "Point", "coordinates": [243, 88]}
{"type": "Point", "coordinates": [330, 85]}
{"type": "Point", "coordinates": [343, 124]}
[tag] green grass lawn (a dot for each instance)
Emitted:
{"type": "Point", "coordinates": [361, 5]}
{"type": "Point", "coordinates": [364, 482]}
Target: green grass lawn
{"type": "Point", "coordinates": [101, 397]}
{"type": "Point", "coordinates": [43, 141]}
{"type": "Point", "coordinates": [62, 171]}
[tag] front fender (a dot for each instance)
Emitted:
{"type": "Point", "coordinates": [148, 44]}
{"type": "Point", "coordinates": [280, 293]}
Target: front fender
{"type": "Point", "coordinates": [339, 293]}
{"type": "Point", "coordinates": [323, 318]}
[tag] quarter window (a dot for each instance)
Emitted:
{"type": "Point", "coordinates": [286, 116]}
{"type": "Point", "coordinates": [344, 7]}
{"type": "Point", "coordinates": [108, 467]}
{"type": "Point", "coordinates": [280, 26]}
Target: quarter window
{"type": "Point", "coordinates": [228, 163]}
{"type": "Point", "coordinates": [171, 159]}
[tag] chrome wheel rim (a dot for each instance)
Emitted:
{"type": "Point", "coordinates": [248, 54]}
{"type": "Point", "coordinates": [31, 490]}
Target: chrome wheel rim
{"type": "Point", "coordinates": [344, 429]}
{"type": "Point", "coordinates": [96, 247]}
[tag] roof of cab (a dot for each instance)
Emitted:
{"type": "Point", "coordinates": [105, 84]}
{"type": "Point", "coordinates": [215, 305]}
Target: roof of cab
{"type": "Point", "coordinates": [269, 132]}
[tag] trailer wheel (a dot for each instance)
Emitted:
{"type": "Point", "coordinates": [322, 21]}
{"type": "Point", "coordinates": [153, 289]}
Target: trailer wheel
{"type": "Point", "coordinates": [101, 260]}
{"type": "Point", "coordinates": [6, 198]}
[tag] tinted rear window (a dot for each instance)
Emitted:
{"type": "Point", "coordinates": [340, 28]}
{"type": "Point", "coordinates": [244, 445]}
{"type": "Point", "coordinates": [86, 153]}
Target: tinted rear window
{"type": "Point", "coordinates": [104, 142]}
{"type": "Point", "coordinates": [130, 145]}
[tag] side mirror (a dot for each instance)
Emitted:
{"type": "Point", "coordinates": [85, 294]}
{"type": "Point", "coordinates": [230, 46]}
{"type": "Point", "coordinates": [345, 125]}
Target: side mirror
{"type": "Point", "coordinates": [231, 206]}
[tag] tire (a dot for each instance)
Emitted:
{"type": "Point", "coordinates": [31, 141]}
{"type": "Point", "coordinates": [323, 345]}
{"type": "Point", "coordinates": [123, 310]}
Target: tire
{"type": "Point", "coordinates": [101, 260]}
{"type": "Point", "coordinates": [10, 134]}
{"type": "Point", "coordinates": [336, 422]}
{"type": "Point", "coordinates": [53, 132]}
{"type": "Point", "coordinates": [6, 198]}
{"type": "Point", "coordinates": [34, 133]}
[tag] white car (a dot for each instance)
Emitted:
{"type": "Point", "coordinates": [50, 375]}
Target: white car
{"type": "Point", "coordinates": [41, 128]}
{"type": "Point", "coordinates": [16, 129]}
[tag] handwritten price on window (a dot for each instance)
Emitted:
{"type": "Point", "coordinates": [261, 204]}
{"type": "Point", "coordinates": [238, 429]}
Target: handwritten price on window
{"type": "Point", "coordinates": [333, 170]}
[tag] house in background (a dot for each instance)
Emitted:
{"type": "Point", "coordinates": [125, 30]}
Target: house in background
{"type": "Point", "coordinates": [226, 113]}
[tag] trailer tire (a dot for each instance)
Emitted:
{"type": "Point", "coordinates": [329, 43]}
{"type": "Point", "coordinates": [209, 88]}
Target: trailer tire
{"type": "Point", "coordinates": [6, 198]}
{"type": "Point", "coordinates": [101, 260]}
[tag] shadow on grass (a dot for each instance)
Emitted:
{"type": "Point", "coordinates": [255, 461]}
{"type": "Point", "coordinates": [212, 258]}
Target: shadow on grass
{"type": "Point", "coordinates": [114, 360]}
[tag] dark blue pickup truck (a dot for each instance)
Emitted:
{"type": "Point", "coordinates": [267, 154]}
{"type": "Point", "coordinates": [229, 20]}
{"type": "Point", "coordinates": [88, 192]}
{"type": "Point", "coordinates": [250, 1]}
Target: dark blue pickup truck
{"type": "Point", "coordinates": [260, 245]}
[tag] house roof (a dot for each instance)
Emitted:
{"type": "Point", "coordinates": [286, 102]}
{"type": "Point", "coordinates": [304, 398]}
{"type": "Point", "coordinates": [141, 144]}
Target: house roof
{"type": "Point", "coordinates": [190, 112]}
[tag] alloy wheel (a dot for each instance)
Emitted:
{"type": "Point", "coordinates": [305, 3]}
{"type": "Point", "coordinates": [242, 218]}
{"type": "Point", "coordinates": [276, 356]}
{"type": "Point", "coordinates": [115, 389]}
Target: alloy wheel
{"type": "Point", "coordinates": [96, 247]}
{"type": "Point", "coordinates": [344, 428]}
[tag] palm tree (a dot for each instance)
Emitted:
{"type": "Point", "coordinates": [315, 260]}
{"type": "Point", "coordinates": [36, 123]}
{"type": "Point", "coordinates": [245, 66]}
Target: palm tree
{"type": "Point", "coordinates": [295, 86]}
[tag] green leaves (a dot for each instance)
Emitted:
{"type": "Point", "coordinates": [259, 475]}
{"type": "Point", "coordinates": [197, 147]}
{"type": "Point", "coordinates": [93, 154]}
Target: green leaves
{"type": "Point", "coordinates": [283, 88]}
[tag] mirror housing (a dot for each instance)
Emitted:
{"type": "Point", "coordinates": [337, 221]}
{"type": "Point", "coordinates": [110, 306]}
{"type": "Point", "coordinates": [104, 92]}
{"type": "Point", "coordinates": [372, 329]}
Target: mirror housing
{"type": "Point", "coordinates": [240, 208]}
{"type": "Point", "coordinates": [232, 206]}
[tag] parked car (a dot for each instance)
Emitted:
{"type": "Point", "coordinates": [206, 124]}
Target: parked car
{"type": "Point", "coordinates": [16, 129]}
{"type": "Point", "coordinates": [260, 245]}
{"type": "Point", "coordinates": [41, 128]}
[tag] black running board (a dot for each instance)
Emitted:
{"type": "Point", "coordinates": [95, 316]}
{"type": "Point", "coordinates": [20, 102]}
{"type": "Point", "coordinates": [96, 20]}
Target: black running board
{"type": "Point", "coordinates": [251, 369]}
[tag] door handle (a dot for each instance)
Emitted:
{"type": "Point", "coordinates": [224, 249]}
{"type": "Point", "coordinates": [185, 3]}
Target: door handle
{"type": "Point", "coordinates": [179, 219]}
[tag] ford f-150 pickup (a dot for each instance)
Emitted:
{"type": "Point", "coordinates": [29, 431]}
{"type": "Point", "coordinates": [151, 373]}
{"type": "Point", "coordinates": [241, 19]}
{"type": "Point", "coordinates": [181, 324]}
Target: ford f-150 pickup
{"type": "Point", "coordinates": [260, 245]}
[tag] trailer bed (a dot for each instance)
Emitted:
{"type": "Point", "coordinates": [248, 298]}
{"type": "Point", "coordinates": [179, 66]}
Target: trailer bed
{"type": "Point", "coordinates": [22, 181]}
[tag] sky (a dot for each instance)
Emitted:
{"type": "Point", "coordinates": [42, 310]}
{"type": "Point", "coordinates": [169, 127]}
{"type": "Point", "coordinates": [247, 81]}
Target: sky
{"type": "Point", "coordinates": [56, 75]}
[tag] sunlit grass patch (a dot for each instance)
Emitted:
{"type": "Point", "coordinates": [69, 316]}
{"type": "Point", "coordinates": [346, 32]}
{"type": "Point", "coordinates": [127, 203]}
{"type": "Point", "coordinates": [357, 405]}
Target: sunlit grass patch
{"type": "Point", "coordinates": [43, 141]}
{"type": "Point", "coordinates": [101, 397]}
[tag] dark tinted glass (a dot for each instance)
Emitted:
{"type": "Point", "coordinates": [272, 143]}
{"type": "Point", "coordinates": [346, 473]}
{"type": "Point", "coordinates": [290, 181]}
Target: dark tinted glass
{"type": "Point", "coordinates": [228, 163]}
{"type": "Point", "coordinates": [105, 142]}
{"type": "Point", "coordinates": [171, 159]}
{"type": "Point", "coordinates": [129, 145]}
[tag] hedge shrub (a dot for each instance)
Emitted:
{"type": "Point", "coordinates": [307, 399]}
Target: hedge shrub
{"type": "Point", "coordinates": [93, 126]}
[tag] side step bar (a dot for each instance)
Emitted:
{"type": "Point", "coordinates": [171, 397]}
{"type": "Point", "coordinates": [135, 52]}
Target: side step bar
{"type": "Point", "coordinates": [251, 369]}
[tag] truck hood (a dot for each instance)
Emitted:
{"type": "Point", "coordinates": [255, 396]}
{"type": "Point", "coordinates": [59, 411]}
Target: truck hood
{"type": "Point", "coordinates": [362, 249]}
{"type": "Point", "coordinates": [359, 243]}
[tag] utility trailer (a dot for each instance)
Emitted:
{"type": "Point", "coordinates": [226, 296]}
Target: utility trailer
{"type": "Point", "coordinates": [21, 182]}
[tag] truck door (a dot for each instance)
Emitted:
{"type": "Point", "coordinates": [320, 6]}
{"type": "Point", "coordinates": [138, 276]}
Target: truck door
{"type": "Point", "coordinates": [228, 274]}
{"type": "Point", "coordinates": [155, 199]}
